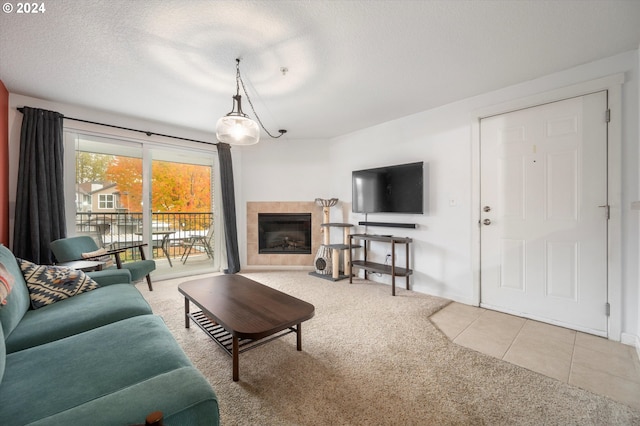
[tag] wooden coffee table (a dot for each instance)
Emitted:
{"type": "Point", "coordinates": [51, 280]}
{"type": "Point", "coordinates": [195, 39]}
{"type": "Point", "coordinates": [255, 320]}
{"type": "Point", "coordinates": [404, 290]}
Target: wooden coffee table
{"type": "Point", "coordinates": [240, 314]}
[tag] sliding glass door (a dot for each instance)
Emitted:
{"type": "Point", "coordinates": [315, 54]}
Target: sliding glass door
{"type": "Point", "coordinates": [182, 228]}
{"type": "Point", "coordinates": [128, 192]}
{"type": "Point", "coordinates": [108, 190]}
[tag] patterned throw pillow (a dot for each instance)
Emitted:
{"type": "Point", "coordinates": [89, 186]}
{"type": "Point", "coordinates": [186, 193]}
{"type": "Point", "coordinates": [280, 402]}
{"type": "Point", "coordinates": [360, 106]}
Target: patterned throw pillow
{"type": "Point", "coordinates": [50, 284]}
{"type": "Point", "coordinates": [6, 282]}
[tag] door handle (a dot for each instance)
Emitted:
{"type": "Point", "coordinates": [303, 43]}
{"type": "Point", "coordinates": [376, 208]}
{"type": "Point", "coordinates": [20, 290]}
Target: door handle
{"type": "Point", "coordinates": [487, 222]}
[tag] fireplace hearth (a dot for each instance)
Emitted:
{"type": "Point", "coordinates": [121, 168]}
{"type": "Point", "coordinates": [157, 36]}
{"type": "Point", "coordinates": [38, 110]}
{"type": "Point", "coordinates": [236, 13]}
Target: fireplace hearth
{"type": "Point", "coordinates": [284, 233]}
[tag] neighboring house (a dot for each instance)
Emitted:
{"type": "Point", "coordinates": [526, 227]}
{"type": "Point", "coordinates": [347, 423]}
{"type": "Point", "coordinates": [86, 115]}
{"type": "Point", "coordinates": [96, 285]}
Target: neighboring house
{"type": "Point", "coordinates": [96, 202]}
{"type": "Point", "coordinates": [98, 197]}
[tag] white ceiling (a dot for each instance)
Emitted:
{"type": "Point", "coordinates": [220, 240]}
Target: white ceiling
{"type": "Point", "coordinates": [352, 64]}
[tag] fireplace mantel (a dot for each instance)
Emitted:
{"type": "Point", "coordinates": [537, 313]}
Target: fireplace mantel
{"type": "Point", "coordinates": [254, 258]}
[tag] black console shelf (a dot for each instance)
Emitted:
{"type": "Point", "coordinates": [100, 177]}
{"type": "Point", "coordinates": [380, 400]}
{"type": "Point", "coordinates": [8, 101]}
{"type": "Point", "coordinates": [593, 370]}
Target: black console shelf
{"type": "Point", "coordinates": [391, 269]}
{"type": "Point", "coordinates": [389, 224]}
{"type": "Point", "coordinates": [379, 268]}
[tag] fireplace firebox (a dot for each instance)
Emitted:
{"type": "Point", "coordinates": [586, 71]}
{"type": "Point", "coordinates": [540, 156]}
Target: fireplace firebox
{"type": "Point", "coordinates": [284, 233]}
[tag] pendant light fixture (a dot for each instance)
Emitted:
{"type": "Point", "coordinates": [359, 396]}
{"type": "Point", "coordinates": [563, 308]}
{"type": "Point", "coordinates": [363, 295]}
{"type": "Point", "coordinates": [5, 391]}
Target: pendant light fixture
{"type": "Point", "coordinates": [236, 128]}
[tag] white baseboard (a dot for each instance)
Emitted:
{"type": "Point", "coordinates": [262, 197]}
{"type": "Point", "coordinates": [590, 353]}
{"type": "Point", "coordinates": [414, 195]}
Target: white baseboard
{"type": "Point", "coordinates": [631, 340]}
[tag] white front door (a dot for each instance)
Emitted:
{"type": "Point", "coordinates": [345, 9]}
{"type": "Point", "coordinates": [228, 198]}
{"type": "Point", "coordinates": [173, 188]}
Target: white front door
{"type": "Point", "coordinates": [544, 213]}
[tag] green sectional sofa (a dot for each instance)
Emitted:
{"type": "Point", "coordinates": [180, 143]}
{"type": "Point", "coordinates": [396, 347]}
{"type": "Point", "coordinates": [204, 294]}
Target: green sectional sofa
{"type": "Point", "coordinates": [99, 357]}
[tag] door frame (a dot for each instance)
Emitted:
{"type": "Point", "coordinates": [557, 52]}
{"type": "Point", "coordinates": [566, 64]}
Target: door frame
{"type": "Point", "coordinates": [613, 85]}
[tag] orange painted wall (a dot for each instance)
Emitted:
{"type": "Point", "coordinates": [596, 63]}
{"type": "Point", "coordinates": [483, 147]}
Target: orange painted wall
{"type": "Point", "coordinates": [4, 164]}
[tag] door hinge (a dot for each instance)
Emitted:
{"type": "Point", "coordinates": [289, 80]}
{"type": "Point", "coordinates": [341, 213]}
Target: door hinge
{"type": "Point", "coordinates": [607, 309]}
{"type": "Point", "coordinates": [607, 116]}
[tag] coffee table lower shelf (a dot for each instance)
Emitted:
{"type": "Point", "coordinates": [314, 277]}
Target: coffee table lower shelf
{"type": "Point", "coordinates": [225, 340]}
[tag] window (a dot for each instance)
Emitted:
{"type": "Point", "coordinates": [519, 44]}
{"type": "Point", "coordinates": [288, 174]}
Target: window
{"type": "Point", "coordinates": [105, 201]}
{"type": "Point", "coordinates": [129, 191]}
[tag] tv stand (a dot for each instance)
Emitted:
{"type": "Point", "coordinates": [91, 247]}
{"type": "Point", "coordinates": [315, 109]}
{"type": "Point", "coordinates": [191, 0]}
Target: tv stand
{"type": "Point", "coordinates": [367, 266]}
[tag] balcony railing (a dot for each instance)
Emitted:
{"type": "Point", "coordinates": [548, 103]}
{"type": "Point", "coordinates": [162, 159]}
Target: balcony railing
{"type": "Point", "coordinates": [170, 231]}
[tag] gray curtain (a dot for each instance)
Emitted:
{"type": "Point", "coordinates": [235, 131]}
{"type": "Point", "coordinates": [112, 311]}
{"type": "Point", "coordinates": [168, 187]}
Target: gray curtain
{"type": "Point", "coordinates": [229, 208]}
{"type": "Point", "coordinates": [39, 215]}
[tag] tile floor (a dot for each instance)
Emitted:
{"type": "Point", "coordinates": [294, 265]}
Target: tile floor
{"type": "Point", "coordinates": [593, 363]}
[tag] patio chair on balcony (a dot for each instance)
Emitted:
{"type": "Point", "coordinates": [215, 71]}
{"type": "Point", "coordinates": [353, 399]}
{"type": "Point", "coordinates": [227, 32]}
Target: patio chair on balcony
{"type": "Point", "coordinates": [199, 242]}
{"type": "Point", "coordinates": [73, 249]}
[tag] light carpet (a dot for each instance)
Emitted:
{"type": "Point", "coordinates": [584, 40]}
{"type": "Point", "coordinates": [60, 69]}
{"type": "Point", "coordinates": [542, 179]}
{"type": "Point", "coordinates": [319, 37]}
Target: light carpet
{"type": "Point", "coordinates": [372, 359]}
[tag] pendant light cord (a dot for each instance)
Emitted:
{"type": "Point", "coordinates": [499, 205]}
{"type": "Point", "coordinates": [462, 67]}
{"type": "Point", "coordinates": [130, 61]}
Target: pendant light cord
{"type": "Point", "coordinates": [239, 82]}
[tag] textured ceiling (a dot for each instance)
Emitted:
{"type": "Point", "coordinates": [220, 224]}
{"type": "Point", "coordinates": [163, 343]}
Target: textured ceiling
{"type": "Point", "coordinates": [352, 64]}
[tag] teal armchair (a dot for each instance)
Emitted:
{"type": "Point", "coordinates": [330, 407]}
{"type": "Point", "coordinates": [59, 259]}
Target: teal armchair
{"type": "Point", "coordinates": [72, 248]}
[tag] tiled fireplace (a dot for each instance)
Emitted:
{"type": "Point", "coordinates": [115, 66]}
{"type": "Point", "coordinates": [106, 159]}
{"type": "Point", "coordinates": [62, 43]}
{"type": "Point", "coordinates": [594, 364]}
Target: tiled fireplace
{"type": "Point", "coordinates": [287, 238]}
{"type": "Point", "coordinates": [284, 233]}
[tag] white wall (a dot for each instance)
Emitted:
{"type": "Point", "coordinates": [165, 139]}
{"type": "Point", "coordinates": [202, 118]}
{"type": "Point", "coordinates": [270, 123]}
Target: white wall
{"type": "Point", "coordinates": [441, 248]}
{"type": "Point", "coordinates": [443, 138]}
{"type": "Point", "coordinates": [286, 170]}
{"type": "Point", "coordinates": [280, 170]}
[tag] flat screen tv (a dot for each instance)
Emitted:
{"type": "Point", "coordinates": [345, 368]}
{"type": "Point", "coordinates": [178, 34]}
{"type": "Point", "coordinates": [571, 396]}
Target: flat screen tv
{"type": "Point", "coordinates": [392, 189]}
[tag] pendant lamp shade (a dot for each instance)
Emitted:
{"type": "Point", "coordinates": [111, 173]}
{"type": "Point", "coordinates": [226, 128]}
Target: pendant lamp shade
{"type": "Point", "coordinates": [236, 128]}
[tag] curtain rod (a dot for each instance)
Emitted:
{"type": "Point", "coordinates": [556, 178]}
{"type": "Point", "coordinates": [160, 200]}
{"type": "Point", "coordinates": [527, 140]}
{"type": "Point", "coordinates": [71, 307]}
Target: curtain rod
{"type": "Point", "coordinates": [146, 132]}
